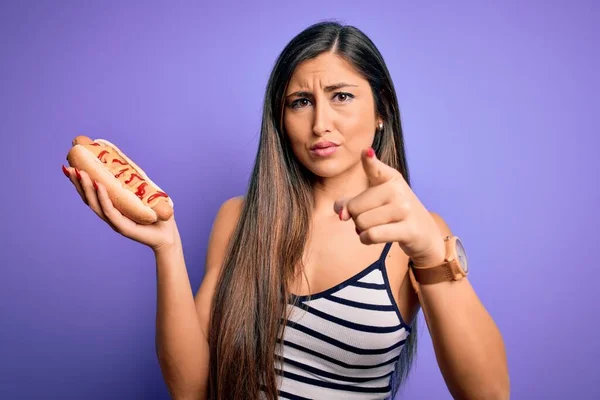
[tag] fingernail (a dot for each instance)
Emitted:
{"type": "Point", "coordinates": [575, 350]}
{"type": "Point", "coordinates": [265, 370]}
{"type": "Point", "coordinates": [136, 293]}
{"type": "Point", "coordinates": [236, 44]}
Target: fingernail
{"type": "Point", "coordinates": [95, 185]}
{"type": "Point", "coordinates": [66, 171]}
{"type": "Point", "coordinates": [78, 175]}
{"type": "Point", "coordinates": [341, 212]}
{"type": "Point", "coordinates": [370, 152]}
{"type": "Point", "coordinates": [357, 231]}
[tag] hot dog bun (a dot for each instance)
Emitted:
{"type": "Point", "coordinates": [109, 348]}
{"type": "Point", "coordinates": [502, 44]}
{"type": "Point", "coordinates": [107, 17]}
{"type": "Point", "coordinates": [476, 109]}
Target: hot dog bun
{"type": "Point", "coordinates": [127, 185]}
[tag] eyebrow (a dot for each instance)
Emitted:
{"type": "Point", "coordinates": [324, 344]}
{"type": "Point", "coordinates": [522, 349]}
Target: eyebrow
{"type": "Point", "coordinates": [329, 88]}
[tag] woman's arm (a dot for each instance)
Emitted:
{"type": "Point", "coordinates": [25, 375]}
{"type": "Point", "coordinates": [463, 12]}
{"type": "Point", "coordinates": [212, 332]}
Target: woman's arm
{"type": "Point", "coordinates": [468, 345]}
{"type": "Point", "coordinates": [182, 320]}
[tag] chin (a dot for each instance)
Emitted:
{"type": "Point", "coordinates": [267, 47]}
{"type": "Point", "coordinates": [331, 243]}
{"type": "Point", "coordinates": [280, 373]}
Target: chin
{"type": "Point", "coordinates": [326, 168]}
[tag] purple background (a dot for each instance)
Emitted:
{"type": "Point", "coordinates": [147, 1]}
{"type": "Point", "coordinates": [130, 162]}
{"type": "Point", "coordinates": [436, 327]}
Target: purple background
{"type": "Point", "coordinates": [497, 104]}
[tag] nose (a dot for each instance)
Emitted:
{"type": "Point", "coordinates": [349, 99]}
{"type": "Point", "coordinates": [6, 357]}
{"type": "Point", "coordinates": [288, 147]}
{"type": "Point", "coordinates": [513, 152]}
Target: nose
{"type": "Point", "coordinates": [323, 121]}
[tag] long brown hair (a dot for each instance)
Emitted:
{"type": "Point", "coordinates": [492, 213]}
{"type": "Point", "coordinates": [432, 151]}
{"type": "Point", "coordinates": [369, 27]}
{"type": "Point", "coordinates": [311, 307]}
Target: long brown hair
{"type": "Point", "coordinates": [266, 248]}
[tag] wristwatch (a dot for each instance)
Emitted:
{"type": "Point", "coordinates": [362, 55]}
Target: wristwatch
{"type": "Point", "coordinates": [454, 267]}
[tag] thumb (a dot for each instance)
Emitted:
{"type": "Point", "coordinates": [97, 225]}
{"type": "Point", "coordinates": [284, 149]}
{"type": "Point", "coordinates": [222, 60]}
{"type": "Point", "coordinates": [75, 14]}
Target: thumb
{"type": "Point", "coordinates": [377, 171]}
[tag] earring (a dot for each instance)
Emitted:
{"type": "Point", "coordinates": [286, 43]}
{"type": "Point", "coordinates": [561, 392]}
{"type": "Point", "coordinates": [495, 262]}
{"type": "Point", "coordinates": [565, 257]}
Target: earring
{"type": "Point", "coordinates": [380, 126]}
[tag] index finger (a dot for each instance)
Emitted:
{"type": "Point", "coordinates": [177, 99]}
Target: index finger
{"type": "Point", "coordinates": [377, 171]}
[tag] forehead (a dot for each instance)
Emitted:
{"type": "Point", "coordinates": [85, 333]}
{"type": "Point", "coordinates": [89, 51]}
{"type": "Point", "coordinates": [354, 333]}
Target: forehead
{"type": "Point", "coordinates": [326, 69]}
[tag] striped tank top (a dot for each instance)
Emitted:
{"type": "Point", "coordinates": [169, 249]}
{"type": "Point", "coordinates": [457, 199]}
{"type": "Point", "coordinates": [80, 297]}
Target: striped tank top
{"type": "Point", "coordinates": [343, 343]}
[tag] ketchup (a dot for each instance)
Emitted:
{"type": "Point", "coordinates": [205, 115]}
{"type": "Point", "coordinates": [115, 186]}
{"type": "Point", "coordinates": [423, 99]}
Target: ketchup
{"type": "Point", "coordinates": [103, 152]}
{"type": "Point", "coordinates": [128, 181]}
{"type": "Point", "coordinates": [94, 144]}
{"type": "Point", "coordinates": [121, 172]}
{"type": "Point", "coordinates": [141, 190]}
{"type": "Point", "coordinates": [155, 195]}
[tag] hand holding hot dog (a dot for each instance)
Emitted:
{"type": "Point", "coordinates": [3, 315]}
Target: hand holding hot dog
{"type": "Point", "coordinates": [120, 193]}
{"type": "Point", "coordinates": [129, 188]}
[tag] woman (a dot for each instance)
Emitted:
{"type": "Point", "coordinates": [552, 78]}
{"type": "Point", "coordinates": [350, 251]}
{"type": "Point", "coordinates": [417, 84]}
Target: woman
{"type": "Point", "coordinates": [306, 291]}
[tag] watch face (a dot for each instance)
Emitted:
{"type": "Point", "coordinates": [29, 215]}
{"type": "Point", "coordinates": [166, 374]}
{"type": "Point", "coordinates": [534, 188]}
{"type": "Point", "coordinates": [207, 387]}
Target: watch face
{"type": "Point", "coordinates": [462, 256]}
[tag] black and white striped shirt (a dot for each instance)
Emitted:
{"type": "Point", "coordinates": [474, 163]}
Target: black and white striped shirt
{"type": "Point", "coordinates": [343, 343]}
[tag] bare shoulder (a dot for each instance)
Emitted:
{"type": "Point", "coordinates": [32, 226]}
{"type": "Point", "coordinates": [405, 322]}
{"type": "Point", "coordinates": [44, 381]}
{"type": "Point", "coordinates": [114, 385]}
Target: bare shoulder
{"type": "Point", "coordinates": [442, 225]}
{"type": "Point", "coordinates": [229, 210]}
{"type": "Point", "coordinates": [223, 227]}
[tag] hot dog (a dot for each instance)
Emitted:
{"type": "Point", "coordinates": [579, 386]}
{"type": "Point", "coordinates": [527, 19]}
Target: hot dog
{"type": "Point", "coordinates": [127, 185]}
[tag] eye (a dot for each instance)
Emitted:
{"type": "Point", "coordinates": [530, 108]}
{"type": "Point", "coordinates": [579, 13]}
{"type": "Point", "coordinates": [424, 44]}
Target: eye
{"type": "Point", "coordinates": [300, 103]}
{"type": "Point", "coordinates": [344, 97]}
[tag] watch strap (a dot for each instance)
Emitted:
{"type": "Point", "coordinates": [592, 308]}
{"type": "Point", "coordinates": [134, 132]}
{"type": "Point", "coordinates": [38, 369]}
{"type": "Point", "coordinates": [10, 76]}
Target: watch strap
{"type": "Point", "coordinates": [431, 275]}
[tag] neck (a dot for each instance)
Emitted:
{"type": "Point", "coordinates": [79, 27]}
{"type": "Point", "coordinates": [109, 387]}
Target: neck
{"type": "Point", "coordinates": [348, 184]}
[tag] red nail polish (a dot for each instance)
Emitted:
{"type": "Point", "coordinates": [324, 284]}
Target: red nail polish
{"type": "Point", "coordinates": [95, 185]}
{"type": "Point", "coordinates": [357, 231]}
{"type": "Point", "coordinates": [66, 171]}
{"type": "Point", "coordinates": [78, 175]}
{"type": "Point", "coordinates": [370, 152]}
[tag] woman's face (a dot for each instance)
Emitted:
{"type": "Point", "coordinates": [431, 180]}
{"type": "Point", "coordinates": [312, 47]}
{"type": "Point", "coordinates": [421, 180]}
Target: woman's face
{"type": "Point", "coordinates": [329, 104]}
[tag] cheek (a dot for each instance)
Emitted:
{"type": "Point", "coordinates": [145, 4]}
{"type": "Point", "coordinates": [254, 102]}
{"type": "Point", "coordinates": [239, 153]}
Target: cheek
{"type": "Point", "coordinates": [296, 133]}
{"type": "Point", "coordinates": [358, 128]}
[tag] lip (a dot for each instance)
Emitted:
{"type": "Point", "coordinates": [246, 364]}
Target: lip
{"type": "Point", "coordinates": [323, 145]}
{"type": "Point", "coordinates": [324, 149]}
